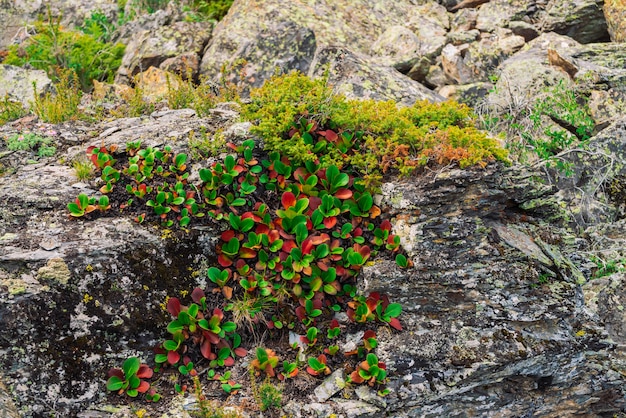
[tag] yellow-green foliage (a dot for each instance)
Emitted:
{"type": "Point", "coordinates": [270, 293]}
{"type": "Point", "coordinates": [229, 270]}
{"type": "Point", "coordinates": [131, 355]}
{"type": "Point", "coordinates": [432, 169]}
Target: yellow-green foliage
{"type": "Point", "coordinates": [10, 110]}
{"type": "Point", "coordinates": [185, 94]}
{"type": "Point", "coordinates": [52, 47]}
{"type": "Point", "coordinates": [383, 137]}
{"type": "Point", "coordinates": [63, 105]}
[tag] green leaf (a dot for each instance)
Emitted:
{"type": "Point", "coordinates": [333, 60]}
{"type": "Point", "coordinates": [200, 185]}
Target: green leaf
{"type": "Point", "coordinates": [83, 200]}
{"type": "Point", "coordinates": [229, 326]}
{"type": "Point", "coordinates": [131, 366]}
{"type": "Point", "coordinates": [393, 310]}
{"type": "Point", "coordinates": [114, 383]}
{"type": "Point", "coordinates": [401, 260]}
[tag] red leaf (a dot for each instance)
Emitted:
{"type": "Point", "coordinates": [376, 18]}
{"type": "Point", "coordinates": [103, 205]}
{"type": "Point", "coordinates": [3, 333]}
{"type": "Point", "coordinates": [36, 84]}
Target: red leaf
{"type": "Point", "coordinates": [228, 235]}
{"type": "Point", "coordinates": [343, 194]}
{"type": "Point", "coordinates": [205, 348]}
{"type": "Point", "coordinates": [116, 372]}
{"type": "Point", "coordinates": [173, 357]}
{"type": "Point", "coordinates": [143, 387]}
{"type": "Point", "coordinates": [288, 200]}
{"type": "Point", "coordinates": [224, 261]}
{"type": "Point", "coordinates": [252, 216]}
{"type": "Point", "coordinates": [385, 225]}
{"type": "Point", "coordinates": [311, 371]}
{"type": "Point", "coordinates": [329, 134]}
{"type": "Point", "coordinates": [240, 352]}
{"type": "Point", "coordinates": [270, 370]}
{"type": "Point", "coordinates": [330, 222]}
{"type": "Point", "coordinates": [288, 245]}
{"type": "Point", "coordinates": [356, 377]}
{"type": "Point", "coordinates": [314, 203]}
{"type": "Point", "coordinates": [320, 239]}
{"type": "Point", "coordinates": [144, 372]}
{"type": "Point", "coordinates": [334, 324]}
{"type": "Point", "coordinates": [272, 235]}
{"type": "Point", "coordinates": [300, 312]}
{"type": "Point", "coordinates": [369, 334]}
{"type": "Point", "coordinates": [247, 253]}
{"type": "Point", "coordinates": [229, 361]}
{"type": "Point", "coordinates": [264, 229]}
{"type": "Point", "coordinates": [307, 246]}
{"type": "Point", "coordinates": [219, 313]}
{"type": "Point", "coordinates": [395, 323]}
{"type": "Point", "coordinates": [363, 250]}
{"type": "Point", "coordinates": [173, 306]}
{"type": "Point", "coordinates": [212, 337]}
{"type": "Point", "coordinates": [197, 294]}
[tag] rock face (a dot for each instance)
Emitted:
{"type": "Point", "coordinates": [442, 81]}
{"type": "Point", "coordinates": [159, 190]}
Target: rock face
{"type": "Point", "coordinates": [152, 48]}
{"type": "Point", "coordinates": [484, 340]}
{"type": "Point", "coordinates": [260, 38]}
{"type": "Point", "coordinates": [17, 83]}
{"type": "Point", "coordinates": [503, 311]}
{"type": "Point", "coordinates": [615, 15]}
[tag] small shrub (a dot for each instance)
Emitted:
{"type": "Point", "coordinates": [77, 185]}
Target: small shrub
{"type": "Point", "coordinates": [10, 110]}
{"type": "Point", "coordinates": [207, 9]}
{"type": "Point", "coordinates": [63, 105]}
{"type": "Point", "coordinates": [186, 94]}
{"type": "Point", "coordinates": [31, 142]}
{"type": "Point", "coordinates": [269, 396]}
{"type": "Point", "coordinates": [52, 47]}
{"type": "Point", "coordinates": [556, 120]}
{"type": "Point", "coordinates": [83, 169]}
{"type": "Point", "coordinates": [303, 120]}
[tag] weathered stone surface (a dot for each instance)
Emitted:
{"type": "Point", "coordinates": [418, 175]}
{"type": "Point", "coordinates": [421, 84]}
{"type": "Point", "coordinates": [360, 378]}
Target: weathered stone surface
{"type": "Point", "coordinates": [355, 76]}
{"type": "Point", "coordinates": [498, 359]}
{"type": "Point", "coordinates": [154, 83]}
{"type": "Point", "coordinates": [498, 13]}
{"type": "Point", "coordinates": [582, 20]}
{"type": "Point", "coordinates": [470, 94]}
{"type": "Point", "coordinates": [468, 63]}
{"type": "Point", "coordinates": [526, 73]}
{"type": "Point", "coordinates": [150, 48]}
{"type": "Point", "coordinates": [330, 386]}
{"type": "Point", "coordinates": [80, 296]}
{"type": "Point", "coordinates": [183, 65]}
{"type": "Point", "coordinates": [17, 83]}
{"type": "Point", "coordinates": [615, 15]}
{"type": "Point", "coordinates": [277, 36]}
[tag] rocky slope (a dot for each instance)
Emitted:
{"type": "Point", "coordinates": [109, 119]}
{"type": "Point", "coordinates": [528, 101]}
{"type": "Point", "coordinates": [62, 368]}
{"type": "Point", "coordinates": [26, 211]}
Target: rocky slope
{"type": "Point", "coordinates": [503, 314]}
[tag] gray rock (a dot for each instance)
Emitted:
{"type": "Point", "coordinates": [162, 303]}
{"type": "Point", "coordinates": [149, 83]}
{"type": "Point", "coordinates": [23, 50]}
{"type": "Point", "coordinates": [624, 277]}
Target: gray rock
{"type": "Point", "coordinates": [498, 13]}
{"type": "Point", "coordinates": [582, 20]}
{"type": "Point", "coordinates": [280, 37]}
{"type": "Point", "coordinates": [17, 83]}
{"type": "Point", "coordinates": [330, 386]}
{"type": "Point", "coordinates": [151, 48]}
{"type": "Point", "coordinates": [355, 76]}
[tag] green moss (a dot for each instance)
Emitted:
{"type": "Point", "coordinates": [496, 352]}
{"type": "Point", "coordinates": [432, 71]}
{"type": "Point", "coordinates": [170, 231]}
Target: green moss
{"type": "Point", "coordinates": [293, 114]}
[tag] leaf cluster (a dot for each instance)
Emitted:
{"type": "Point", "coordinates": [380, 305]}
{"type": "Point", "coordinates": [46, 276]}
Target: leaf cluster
{"type": "Point", "coordinates": [304, 121]}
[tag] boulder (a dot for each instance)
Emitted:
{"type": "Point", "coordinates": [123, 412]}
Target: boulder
{"type": "Point", "coordinates": [499, 13]}
{"type": "Point", "coordinates": [357, 77]}
{"type": "Point", "coordinates": [475, 62]}
{"type": "Point", "coordinates": [259, 39]}
{"type": "Point", "coordinates": [582, 20]}
{"type": "Point", "coordinates": [525, 74]}
{"type": "Point", "coordinates": [152, 48]}
{"type": "Point", "coordinates": [17, 83]}
{"type": "Point", "coordinates": [615, 15]}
